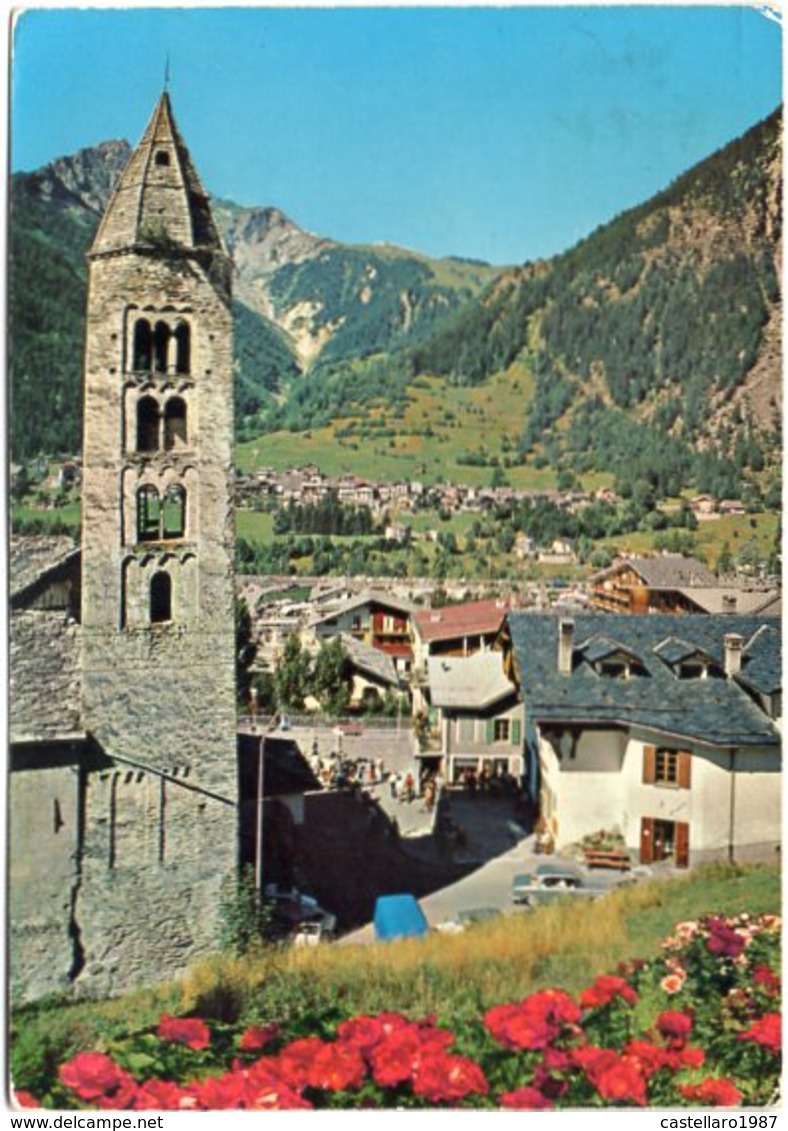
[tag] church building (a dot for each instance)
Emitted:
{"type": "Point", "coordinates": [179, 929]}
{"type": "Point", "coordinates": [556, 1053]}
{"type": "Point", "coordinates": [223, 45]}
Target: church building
{"type": "Point", "coordinates": [123, 792]}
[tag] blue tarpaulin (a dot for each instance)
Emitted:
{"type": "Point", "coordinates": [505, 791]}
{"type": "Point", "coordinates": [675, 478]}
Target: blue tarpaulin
{"type": "Point", "coordinates": [399, 917]}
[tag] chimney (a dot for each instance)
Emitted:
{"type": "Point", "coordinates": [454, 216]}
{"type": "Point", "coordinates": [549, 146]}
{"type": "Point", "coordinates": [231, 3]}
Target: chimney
{"type": "Point", "coordinates": [566, 630]}
{"type": "Point", "coordinates": [733, 647]}
{"type": "Point", "coordinates": [729, 603]}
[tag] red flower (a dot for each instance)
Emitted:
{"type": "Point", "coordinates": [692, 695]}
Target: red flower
{"type": "Point", "coordinates": [535, 1022]}
{"type": "Point", "coordinates": [621, 1081]}
{"type": "Point", "coordinates": [443, 1078]}
{"type": "Point", "coordinates": [553, 1060]}
{"type": "Point", "coordinates": [220, 1093]}
{"type": "Point", "coordinates": [97, 1079]}
{"type": "Point", "coordinates": [764, 976]}
{"type": "Point", "coordinates": [723, 940]}
{"type": "Point", "coordinates": [395, 1059]}
{"type": "Point", "coordinates": [686, 1058]}
{"type": "Point", "coordinates": [526, 1099]}
{"type": "Point", "coordinates": [255, 1089]}
{"type": "Point", "coordinates": [336, 1067]}
{"type": "Point", "coordinates": [712, 1093]}
{"type": "Point", "coordinates": [294, 1062]}
{"type": "Point", "coordinates": [364, 1032]}
{"type": "Point", "coordinates": [256, 1037]}
{"type": "Point", "coordinates": [24, 1099]}
{"type": "Point", "coordinates": [675, 1027]}
{"type": "Point", "coordinates": [604, 989]}
{"type": "Point", "coordinates": [189, 1031]}
{"type": "Point", "coordinates": [766, 1031]}
{"type": "Point", "coordinates": [265, 1091]}
{"type": "Point", "coordinates": [649, 1058]}
{"type": "Point", "coordinates": [556, 1005]}
{"type": "Point", "coordinates": [161, 1095]}
{"type": "Point", "coordinates": [615, 1077]}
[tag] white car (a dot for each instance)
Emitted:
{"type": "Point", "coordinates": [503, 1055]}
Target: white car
{"type": "Point", "coordinates": [550, 882]}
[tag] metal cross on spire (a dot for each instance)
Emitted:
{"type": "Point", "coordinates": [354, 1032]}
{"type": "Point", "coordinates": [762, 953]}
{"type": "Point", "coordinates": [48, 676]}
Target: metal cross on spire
{"type": "Point", "coordinates": [167, 73]}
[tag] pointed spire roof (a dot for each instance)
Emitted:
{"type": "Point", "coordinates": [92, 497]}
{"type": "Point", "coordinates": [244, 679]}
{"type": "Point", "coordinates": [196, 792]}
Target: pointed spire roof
{"type": "Point", "coordinates": [159, 198]}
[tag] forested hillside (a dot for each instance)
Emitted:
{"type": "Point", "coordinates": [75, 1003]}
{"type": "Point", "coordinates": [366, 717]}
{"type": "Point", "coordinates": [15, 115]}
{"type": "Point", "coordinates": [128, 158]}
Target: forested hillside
{"type": "Point", "coordinates": [656, 339]}
{"type": "Point", "coordinates": [303, 303]}
{"type": "Point", "coordinates": [651, 352]}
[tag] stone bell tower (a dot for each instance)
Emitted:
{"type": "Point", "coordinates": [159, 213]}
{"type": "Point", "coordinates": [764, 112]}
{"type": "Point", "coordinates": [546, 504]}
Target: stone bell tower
{"type": "Point", "coordinates": [158, 672]}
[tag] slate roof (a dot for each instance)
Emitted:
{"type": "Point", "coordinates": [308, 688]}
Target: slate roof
{"type": "Point", "coordinates": [45, 682]}
{"type": "Point", "coordinates": [600, 647]}
{"type": "Point", "coordinates": [762, 653]}
{"type": "Point", "coordinates": [664, 571]}
{"type": "Point", "coordinates": [370, 660]}
{"type": "Point", "coordinates": [717, 711]}
{"type": "Point", "coordinates": [368, 597]}
{"type": "Point", "coordinates": [673, 649]}
{"type": "Point", "coordinates": [475, 681]}
{"type": "Point", "coordinates": [159, 186]}
{"type": "Point", "coordinates": [760, 602]}
{"type": "Point", "coordinates": [31, 558]}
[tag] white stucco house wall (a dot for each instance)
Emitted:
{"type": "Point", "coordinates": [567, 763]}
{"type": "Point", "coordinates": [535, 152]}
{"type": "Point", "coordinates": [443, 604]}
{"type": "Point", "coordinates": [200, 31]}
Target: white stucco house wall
{"type": "Point", "coordinates": [666, 729]}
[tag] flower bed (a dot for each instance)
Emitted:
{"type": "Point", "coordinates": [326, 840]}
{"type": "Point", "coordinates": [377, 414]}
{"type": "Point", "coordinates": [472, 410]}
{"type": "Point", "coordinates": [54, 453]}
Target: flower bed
{"type": "Point", "coordinates": [699, 1025]}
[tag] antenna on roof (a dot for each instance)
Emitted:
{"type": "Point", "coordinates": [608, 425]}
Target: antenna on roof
{"type": "Point", "coordinates": [167, 73]}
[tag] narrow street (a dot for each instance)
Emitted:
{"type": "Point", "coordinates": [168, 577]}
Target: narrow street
{"type": "Point", "coordinates": [486, 821]}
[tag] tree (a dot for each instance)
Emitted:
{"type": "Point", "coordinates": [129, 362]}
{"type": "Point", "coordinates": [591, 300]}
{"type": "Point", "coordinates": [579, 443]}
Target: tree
{"type": "Point", "coordinates": [725, 559]}
{"type": "Point", "coordinates": [331, 678]}
{"type": "Point", "coordinates": [245, 649]}
{"type": "Point", "coordinates": [292, 675]}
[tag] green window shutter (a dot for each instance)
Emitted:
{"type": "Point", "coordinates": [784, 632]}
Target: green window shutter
{"type": "Point", "coordinates": [516, 732]}
{"type": "Point", "coordinates": [490, 730]}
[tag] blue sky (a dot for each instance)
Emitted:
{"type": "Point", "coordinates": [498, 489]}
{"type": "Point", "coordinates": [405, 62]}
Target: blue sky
{"type": "Point", "coordinates": [504, 134]}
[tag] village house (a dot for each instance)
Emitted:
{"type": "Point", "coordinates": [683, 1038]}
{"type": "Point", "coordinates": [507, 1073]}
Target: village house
{"type": "Point", "coordinates": [380, 621]}
{"type": "Point", "coordinates": [374, 675]}
{"type": "Point", "coordinates": [656, 583]}
{"type": "Point", "coordinates": [672, 583]}
{"type": "Point", "coordinates": [473, 733]}
{"type": "Point", "coordinates": [559, 552]}
{"type": "Point", "coordinates": [454, 630]}
{"type": "Point", "coordinates": [668, 731]}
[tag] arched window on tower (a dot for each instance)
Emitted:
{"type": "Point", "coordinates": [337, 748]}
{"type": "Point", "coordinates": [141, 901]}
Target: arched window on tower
{"type": "Point", "coordinates": [175, 423]}
{"type": "Point", "coordinates": [147, 425]}
{"type": "Point", "coordinates": [173, 512]}
{"type": "Point", "coordinates": [141, 359]}
{"type": "Point", "coordinates": [148, 514]}
{"type": "Point", "coordinates": [160, 598]}
{"type": "Point", "coordinates": [161, 341]}
{"type": "Point", "coordinates": [183, 347]}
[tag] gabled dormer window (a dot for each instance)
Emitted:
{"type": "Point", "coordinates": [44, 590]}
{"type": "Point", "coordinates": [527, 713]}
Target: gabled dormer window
{"type": "Point", "coordinates": [619, 665]}
{"type": "Point", "coordinates": [610, 659]}
{"type": "Point", "coordinates": [685, 659]}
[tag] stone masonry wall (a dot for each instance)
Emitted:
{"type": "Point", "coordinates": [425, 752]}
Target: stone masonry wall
{"type": "Point", "coordinates": [43, 807]}
{"type": "Point", "coordinates": [156, 854]}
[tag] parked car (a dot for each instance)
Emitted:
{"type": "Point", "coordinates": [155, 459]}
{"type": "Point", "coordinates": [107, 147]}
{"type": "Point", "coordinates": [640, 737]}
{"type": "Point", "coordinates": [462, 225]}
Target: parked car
{"type": "Point", "coordinates": [292, 912]}
{"type": "Point", "coordinates": [466, 918]}
{"type": "Point", "coordinates": [313, 931]}
{"type": "Point", "coordinates": [552, 881]}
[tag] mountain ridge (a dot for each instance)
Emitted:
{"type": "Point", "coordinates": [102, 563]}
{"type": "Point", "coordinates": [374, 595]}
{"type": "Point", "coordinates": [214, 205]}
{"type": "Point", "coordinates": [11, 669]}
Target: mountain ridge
{"type": "Point", "coordinates": [667, 317]}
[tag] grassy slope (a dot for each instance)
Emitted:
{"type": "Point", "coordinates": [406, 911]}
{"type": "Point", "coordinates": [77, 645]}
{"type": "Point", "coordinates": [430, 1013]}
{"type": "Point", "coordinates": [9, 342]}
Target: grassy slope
{"type": "Point", "coordinates": [736, 530]}
{"type": "Point", "coordinates": [461, 420]}
{"type": "Point", "coordinates": [454, 976]}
